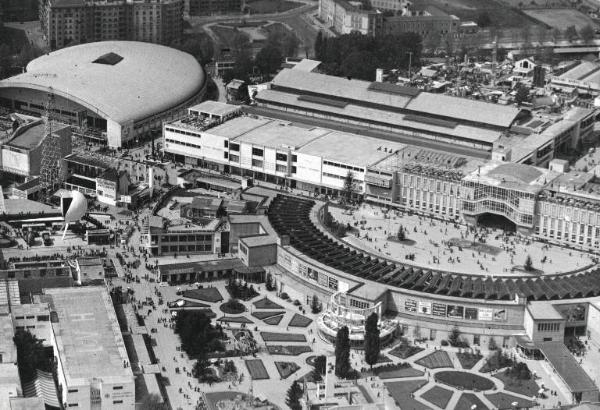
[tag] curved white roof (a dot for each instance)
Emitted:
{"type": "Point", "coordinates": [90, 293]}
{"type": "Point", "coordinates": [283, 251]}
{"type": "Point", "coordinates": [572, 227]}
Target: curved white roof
{"type": "Point", "coordinates": [133, 81]}
{"type": "Point", "coordinates": [77, 208]}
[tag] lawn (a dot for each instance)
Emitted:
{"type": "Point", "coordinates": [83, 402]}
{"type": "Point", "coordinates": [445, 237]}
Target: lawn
{"type": "Point", "coordinates": [273, 320]}
{"type": "Point", "coordinates": [394, 371]}
{"type": "Point", "coordinates": [435, 360]}
{"type": "Point", "coordinates": [560, 18]}
{"type": "Point", "coordinates": [527, 387]}
{"type": "Point", "coordinates": [266, 303]}
{"type": "Point", "coordinates": [502, 401]}
{"type": "Point", "coordinates": [300, 321]}
{"type": "Point", "coordinates": [181, 303]}
{"type": "Point", "coordinates": [467, 400]}
{"type": "Point", "coordinates": [464, 380]}
{"type": "Point", "coordinates": [286, 369]}
{"type": "Point", "coordinates": [438, 395]}
{"type": "Point", "coordinates": [211, 295]}
{"type": "Point", "coordinates": [271, 6]}
{"type": "Point", "coordinates": [235, 319]}
{"type": "Point", "coordinates": [282, 337]}
{"type": "Point", "coordinates": [405, 349]}
{"type": "Point", "coordinates": [233, 307]}
{"type": "Point", "coordinates": [401, 392]}
{"type": "Point", "coordinates": [288, 350]}
{"type": "Point", "coordinates": [257, 369]}
{"type": "Point", "coordinates": [468, 360]}
{"type": "Point", "coordinates": [265, 315]}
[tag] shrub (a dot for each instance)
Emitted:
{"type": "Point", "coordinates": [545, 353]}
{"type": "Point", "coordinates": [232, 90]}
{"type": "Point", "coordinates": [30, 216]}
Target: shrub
{"type": "Point", "coordinates": [444, 343]}
{"type": "Point", "coordinates": [284, 296]}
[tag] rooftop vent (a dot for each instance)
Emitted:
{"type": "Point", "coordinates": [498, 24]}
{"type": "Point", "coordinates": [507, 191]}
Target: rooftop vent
{"type": "Point", "coordinates": [108, 59]}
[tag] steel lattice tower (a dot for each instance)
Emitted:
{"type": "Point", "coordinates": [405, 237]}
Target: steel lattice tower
{"type": "Point", "coordinates": [50, 163]}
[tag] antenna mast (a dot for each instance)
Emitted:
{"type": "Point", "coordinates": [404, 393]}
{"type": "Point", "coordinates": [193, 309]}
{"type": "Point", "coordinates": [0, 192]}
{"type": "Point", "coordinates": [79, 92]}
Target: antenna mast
{"type": "Point", "coordinates": [50, 163]}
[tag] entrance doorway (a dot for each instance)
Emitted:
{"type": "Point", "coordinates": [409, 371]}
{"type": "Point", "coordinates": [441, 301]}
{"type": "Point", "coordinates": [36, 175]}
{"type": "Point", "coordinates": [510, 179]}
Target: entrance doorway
{"type": "Point", "coordinates": [495, 221]}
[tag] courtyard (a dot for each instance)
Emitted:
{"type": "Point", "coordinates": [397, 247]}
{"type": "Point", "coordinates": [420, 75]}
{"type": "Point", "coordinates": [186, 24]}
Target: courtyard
{"type": "Point", "coordinates": [453, 247]}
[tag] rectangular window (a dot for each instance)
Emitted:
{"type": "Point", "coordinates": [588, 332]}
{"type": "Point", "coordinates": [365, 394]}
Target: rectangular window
{"type": "Point", "coordinates": [234, 147]}
{"type": "Point", "coordinates": [43, 318]}
{"type": "Point", "coordinates": [225, 155]}
{"type": "Point", "coordinates": [280, 168]}
{"type": "Point", "coordinates": [226, 143]}
{"type": "Point", "coordinates": [281, 157]}
{"type": "Point", "coordinates": [117, 387]}
{"type": "Point", "coordinates": [117, 401]}
{"type": "Point", "coordinates": [257, 151]}
{"type": "Point", "coordinates": [73, 390]}
{"type": "Point", "coordinates": [257, 163]}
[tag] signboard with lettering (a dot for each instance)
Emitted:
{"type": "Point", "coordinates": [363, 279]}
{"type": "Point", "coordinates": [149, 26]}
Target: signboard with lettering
{"type": "Point", "coordinates": [499, 315]}
{"type": "Point", "coordinates": [471, 313]}
{"type": "Point", "coordinates": [455, 311]}
{"type": "Point", "coordinates": [485, 314]}
{"type": "Point", "coordinates": [410, 305]}
{"type": "Point", "coordinates": [323, 279]}
{"type": "Point", "coordinates": [425, 308]}
{"type": "Point", "coordinates": [438, 309]}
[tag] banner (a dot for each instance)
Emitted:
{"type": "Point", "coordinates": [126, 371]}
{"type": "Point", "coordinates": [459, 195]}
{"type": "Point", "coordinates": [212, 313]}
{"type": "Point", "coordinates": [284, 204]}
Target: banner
{"type": "Point", "coordinates": [438, 309]}
{"type": "Point", "coordinates": [455, 311]}
{"type": "Point", "coordinates": [410, 305]}
{"type": "Point", "coordinates": [471, 313]}
{"type": "Point", "coordinates": [425, 308]}
{"type": "Point", "coordinates": [485, 314]}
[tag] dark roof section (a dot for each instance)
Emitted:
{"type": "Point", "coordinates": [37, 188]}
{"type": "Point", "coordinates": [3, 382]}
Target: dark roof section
{"type": "Point", "coordinates": [291, 216]}
{"type": "Point", "coordinates": [108, 59]}
{"type": "Point", "coordinates": [323, 101]}
{"type": "Point", "coordinates": [394, 89]}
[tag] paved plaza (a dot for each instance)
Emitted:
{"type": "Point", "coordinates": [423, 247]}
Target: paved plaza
{"type": "Point", "coordinates": [427, 241]}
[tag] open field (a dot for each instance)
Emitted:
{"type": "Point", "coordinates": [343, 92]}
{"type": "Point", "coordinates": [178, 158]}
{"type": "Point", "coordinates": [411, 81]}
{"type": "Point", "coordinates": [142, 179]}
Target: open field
{"type": "Point", "coordinates": [438, 395]}
{"type": "Point", "coordinates": [282, 337]}
{"type": "Point", "coordinates": [211, 295]}
{"type": "Point", "coordinates": [561, 18]}
{"type": "Point", "coordinates": [435, 360]}
{"type": "Point", "coordinates": [401, 392]}
{"type": "Point", "coordinates": [270, 6]}
{"type": "Point", "coordinates": [500, 14]}
{"type": "Point", "coordinates": [257, 369]}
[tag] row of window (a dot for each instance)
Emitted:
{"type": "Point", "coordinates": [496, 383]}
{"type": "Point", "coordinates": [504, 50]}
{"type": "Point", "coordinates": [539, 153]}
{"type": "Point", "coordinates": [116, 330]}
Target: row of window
{"type": "Point", "coordinates": [343, 166]}
{"type": "Point", "coordinates": [180, 131]}
{"type": "Point", "coordinates": [187, 144]}
{"type": "Point", "coordinates": [40, 318]}
{"type": "Point", "coordinates": [548, 327]}
{"type": "Point", "coordinates": [326, 174]}
{"type": "Point", "coordinates": [186, 248]}
{"type": "Point", "coordinates": [183, 238]}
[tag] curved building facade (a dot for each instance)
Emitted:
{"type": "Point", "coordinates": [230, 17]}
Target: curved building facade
{"type": "Point", "coordinates": [114, 91]}
{"type": "Point", "coordinates": [339, 313]}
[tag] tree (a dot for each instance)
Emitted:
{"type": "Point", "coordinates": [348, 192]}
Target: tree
{"type": "Point", "coordinates": [348, 186]}
{"type": "Point", "coordinates": [198, 336]}
{"type": "Point", "coordinates": [522, 94]}
{"type": "Point", "coordinates": [492, 344]}
{"type": "Point", "coordinates": [342, 353]}
{"type": "Point", "coordinates": [483, 19]}
{"type": "Point", "coordinates": [315, 306]}
{"type": "Point", "coordinates": [556, 34]}
{"type": "Point", "coordinates": [31, 355]}
{"type": "Point", "coordinates": [153, 402]}
{"type": "Point", "coordinates": [321, 364]}
{"type": "Point", "coordinates": [587, 33]}
{"type": "Point", "coordinates": [320, 46]}
{"type": "Point", "coordinates": [571, 33]}
{"type": "Point", "coordinates": [401, 234]}
{"type": "Point", "coordinates": [454, 337]}
{"type": "Point", "coordinates": [201, 47]}
{"type": "Point", "coordinates": [268, 60]}
{"type": "Point", "coordinates": [360, 65]}
{"type": "Point", "coordinates": [269, 283]}
{"type": "Point", "coordinates": [294, 394]}
{"type": "Point", "coordinates": [528, 264]}
{"type": "Point", "coordinates": [372, 346]}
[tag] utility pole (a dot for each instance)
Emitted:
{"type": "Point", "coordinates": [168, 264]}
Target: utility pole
{"type": "Point", "coordinates": [410, 54]}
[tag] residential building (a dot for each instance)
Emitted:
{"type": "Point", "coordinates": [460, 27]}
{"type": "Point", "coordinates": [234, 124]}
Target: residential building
{"type": "Point", "coordinates": [67, 22]}
{"type": "Point", "coordinates": [346, 17]}
{"type": "Point", "coordinates": [427, 22]}
{"type": "Point", "coordinates": [212, 7]}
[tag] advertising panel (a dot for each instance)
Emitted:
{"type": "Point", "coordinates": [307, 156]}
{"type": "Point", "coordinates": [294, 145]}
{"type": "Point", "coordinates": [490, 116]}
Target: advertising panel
{"type": "Point", "coordinates": [323, 279]}
{"type": "Point", "coordinates": [455, 311]}
{"type": "Point", "coordinates": [410, 305]}
{"type": "Point", "coordinates": [438, 309]}
{"type": "Point", "coordinates": [485, 314]}
{"type": "Point", "coordinates": [471, 313]}
{"type": "Point", "coordinates": [499, 315]}
{"type": "Point", "coordinates": [425, 308]}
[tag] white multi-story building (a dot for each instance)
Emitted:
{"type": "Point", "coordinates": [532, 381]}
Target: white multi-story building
{"type": "Point", "coordinates": [92, 364]}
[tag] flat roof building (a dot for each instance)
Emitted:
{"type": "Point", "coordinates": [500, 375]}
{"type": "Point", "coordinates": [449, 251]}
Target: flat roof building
{"type": "Point", "coordinates": [93, 367]}
{"type": "Point", "coordinates": [109, 86]}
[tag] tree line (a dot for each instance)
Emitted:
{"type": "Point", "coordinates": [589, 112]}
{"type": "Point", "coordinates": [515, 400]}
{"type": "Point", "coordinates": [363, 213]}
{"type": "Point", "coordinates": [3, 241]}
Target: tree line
{"type": "Point", "coordinates": [358, 56]}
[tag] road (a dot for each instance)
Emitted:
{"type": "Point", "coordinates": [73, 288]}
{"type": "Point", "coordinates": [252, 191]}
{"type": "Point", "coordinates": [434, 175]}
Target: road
{"type": "Point", "coordinates": [357, 129]}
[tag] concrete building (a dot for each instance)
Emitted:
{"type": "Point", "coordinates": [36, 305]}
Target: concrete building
{"type": "Point", "coordinates": [427, 22]}
{"type": "Point", "coordinates": [22, 153]}
{"type": "Point", "coordinates": [67, 22]}
{"type": "Point", "coordinates": [345, 17]}
{"type": "Point", "coordinates": [107, 90]}
{"type": "Point", "coordinates": [19, 10]}
{"type": "Point", "coordinates": [92, 364]}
